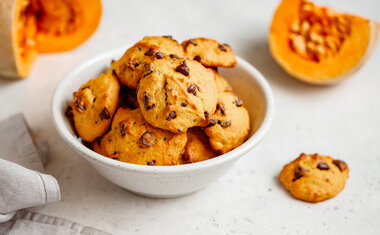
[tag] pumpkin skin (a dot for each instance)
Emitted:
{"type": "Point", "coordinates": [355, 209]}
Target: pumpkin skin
{"type": "Point", "coordinates": [354, 43]}
{"type": "Point", "coordinates": [30, 27]}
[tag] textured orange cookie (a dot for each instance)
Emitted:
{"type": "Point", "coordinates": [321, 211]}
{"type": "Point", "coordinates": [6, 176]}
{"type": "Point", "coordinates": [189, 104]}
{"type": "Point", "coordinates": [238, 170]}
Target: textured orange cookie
{"type": "Point", "coordinates": [131, 139]}
{"type": "Point", "coordinates": [229, 126]}
{"type": "Point", "coordinates": [167, 44]}
{"type": "Point", "coordinates": [209, 52]}
{"type": "Point", "coordinates": [176, 94]}
{"type": "Point", "coordinates": [314, 178]}
{"type": "Point", "coordinates": [130, 67]}
{"type": "Point", "coordinates": [197, 147]}
{"type": "Point", "coordinates": [94, 105]}
{"type": "Point", "coordinates": [222, 84]}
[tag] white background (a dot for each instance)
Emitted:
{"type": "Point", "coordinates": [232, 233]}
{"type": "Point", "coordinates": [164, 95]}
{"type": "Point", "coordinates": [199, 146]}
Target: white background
{"type": "Point", "coordinates": [342, 121]}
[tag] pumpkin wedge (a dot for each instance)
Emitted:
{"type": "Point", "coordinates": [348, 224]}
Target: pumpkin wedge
{"type": "Point", "coordinates": [30, 27]}
{"type": "Point", "coordinates": [319, 45]}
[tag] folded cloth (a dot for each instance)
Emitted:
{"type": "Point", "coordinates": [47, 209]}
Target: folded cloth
{"type": "Point", "coordinates": [21, 187]}
{"type": "Point", "coordinates": [23, 184]}
{"type": "Point", "coordinates": [31, 223]}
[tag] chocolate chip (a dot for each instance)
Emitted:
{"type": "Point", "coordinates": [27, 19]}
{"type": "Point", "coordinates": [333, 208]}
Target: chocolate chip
{"type": "Point", "coordinates": [197, 58]}
{"type": "Point", "coordinates": [116, 158]}
{"type": "Point", "coordinates": [222, 48]}
{"type": "Point", "coordinates": [114, 153]}
{"type": "Point", "coordinates": [182, 68]}
{"type": "Point", "coordinates": [323, 166]}
{"type": "Point", "coordinates": [207, 115]}
{"type": "Point", "coordinates": [159, 55]}
{"type": "Point", "coordinates": [192, 42]}
{"type": "Point", "coordinates": [152, 163]}
{"type": "Point", "coordinates": [147, 72]}
{"type": "Point", "coordinates": [69, 112]}
{"type": "Point", "coordinates": [79, 104]}
{"type": "Point", "coordinates": [171, 115]}
{"type": "Point", "coordinates": [168, 36]}
{"type": "Point", "coordinates": [238, 102]}
{"type": "Point", "coordinates": [149, 52]}
{"type": "Point", "coordinates": [104, 114]}
{"type": "Point", "coordinates": [211, 123]}
{"type": "Point", "coordinates": [221, 108]}
{"type": "Point", "coordinates": [298, 173]}
{"type": "Point", "coordinates": [146, 98]}
{"type": "Point", "coordinates": [147, 139]}
{"type": "Point", "coordinates": [183, 104]}
{"type": "Point", "coordinates": [122, 127]}
{"type": "Point", "coordinates": [340, 164]}
{"type": "Point", "coordinates": [174, 56]}
{"type": "Point", "coordinates": [192, 89]}
{"type": "Point", "coordinates": [225, 124]}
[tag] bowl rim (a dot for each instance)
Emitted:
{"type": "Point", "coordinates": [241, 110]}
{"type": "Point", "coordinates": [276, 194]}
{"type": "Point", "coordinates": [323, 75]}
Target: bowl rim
{"type": "Point", "coordinates": [73, 142]}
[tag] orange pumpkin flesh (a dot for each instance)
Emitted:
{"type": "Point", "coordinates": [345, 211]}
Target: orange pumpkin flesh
{"type": "Point", "coordinates": [319, 45]}
{"type": "Point", "coordinates": [30, 27]}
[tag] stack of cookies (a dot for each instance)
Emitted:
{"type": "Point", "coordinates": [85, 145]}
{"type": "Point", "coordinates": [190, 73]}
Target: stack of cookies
{"type": "Point", "coordinates": [162, 103]}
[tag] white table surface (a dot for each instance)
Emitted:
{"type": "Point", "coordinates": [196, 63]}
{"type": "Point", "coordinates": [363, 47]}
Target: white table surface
{"type": "Point", "coordinates": [342, 121]}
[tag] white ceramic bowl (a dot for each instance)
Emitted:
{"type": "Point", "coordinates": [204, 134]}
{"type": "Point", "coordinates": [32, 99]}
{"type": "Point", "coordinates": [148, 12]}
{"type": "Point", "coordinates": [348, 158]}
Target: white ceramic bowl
{"type": "Point", "coordinates": [166, 181]}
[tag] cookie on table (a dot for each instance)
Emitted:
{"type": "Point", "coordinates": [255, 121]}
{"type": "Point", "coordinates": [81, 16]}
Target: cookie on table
{"type": "Point", "coordinates": [167, 44]}
{"type": "Point", "coordinates": [197, 147]}
{"type": "Point", "coordinates": [176, 94]}
{"type": "Point", "coordinates": [130, 67]}
{"type": "Point", "coordinates": [229, 126]}
{"type": "Point", "coordinates": [131, 139]}
{"type": "Point", "coordinates": [209, 52]}
{"type": "Point", "coordinates": [314, 178]}
{"type": "Point", "coordinates": [93, 106]}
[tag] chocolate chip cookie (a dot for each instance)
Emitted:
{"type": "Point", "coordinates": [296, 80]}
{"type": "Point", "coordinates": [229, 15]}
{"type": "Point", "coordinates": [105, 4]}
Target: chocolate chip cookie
{"type": "Point", "coordinates": [197, 147]}
{"type": "Point", "coordinates": [131, 139]}
{"type": "Point", "coordinates": [93, 106]}
{"type": "Point", "coordinates": [314, 178]}
{"type": "Point", "coordinates": [176, 94]}
{"type": "Point", "coordinates": [167, 44]}
{"type": "Point", "coordinates": [229, 126]}
{"type": "Point", "coordinates": [209, 52]}
{"type": "Point", "coordinates": [130, 67]}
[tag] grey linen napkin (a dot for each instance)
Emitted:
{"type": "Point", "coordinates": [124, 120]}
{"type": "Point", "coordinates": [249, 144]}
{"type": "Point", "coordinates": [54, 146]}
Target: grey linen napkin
{"type": "Point", "coordinates": [23, 184]}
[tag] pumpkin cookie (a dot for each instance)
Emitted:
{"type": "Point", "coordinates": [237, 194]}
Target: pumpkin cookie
{"type": "Point", "coordinates": [167, 44]}
{"type": "Point", "coordinates": [197, 147]}
{"type": "Point", "coordinates": [229, 126]}
{"type": "Point", "coordinates": [130, 67]}
{"type": "Point", "coordinates": [176, 94]}
{"type": "Point", "coordinates": [94, 105]}
{"type": "Point", "coordinates": [314, 178]}
{"type": "Point", "coordinates": [131, 139]}
{"type": "Point", "coordinates": [209, 52]}
{"type": "Point", "coordinates": [221, 83]}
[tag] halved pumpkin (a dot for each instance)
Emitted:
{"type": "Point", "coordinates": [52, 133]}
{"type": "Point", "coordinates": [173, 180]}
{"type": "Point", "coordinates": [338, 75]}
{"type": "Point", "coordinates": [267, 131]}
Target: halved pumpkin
{"type": "Point", "coordinates": [319, 45]}
{"type": "Point", "coordinates": [30, 27]}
